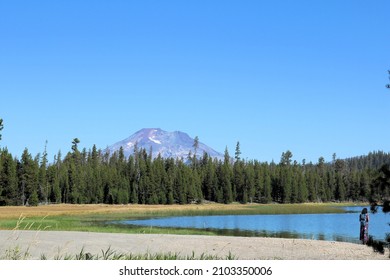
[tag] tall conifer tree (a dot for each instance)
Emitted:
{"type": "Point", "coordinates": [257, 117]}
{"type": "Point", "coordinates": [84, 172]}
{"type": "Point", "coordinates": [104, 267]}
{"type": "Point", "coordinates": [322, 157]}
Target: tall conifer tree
{"type": "Point", "coordinates": [225, 180]}
{"type": "Point", "coordinates": [8, 179]}
{"type": "Point", "coordinates": [28, 178]}
{"type": "Point", "coordinates": [1, 126]}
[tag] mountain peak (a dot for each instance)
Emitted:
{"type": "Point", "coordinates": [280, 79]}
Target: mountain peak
{"type": "Point", "coordinates": [175, 144]}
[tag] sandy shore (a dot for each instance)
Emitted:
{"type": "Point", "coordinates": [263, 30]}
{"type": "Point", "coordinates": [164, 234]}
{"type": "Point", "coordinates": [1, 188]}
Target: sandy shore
{"type": "Point", "coordinates": [54, 243]}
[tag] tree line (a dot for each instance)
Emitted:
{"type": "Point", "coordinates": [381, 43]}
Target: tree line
{"type": "Point", "coordinates": [95, 176]}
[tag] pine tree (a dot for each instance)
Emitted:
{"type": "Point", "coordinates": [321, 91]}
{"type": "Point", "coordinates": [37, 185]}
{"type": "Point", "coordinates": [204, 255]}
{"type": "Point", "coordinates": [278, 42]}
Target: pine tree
{"type": "Point", "coordinates": [285, 177]}
{"type": "Point", "coordinates": [249, 183]}
{"type": "Point", "coordinates": [267, 190]}
{"type": "Point", "coordinates": [64, 183]}
{"type": "Point", "coordinates": [156, 180]}
{"type": "Point", "coordinates": [380, 192]}
{"type": "Point", "coordinates": [364, 188]}
{"type": "Point", "coordinates": [197, 178]}
{"type": "Point", "coordinates": [209, 188]}
{"type": "Point", "coordinates": [218, 183]}
{"type": "Point", "coordinates": [321, 180]}
{"type": "Point", "coordinates": [170, 170]}
{"type": "Point", "coordinates": [302, 188]}
{"type": "Point", "coordinates": [8, 179]}
{"type": "Point", "coordinates": [238, 152]}
{"type": "Point", "coordinates": [54, 179]}
{"type": "Point", "coordinates": [54, 183]}
{"type": "Point", "coordinates": [225, 179]}
{"type": "Point", "coordinates": [286, 158]}
{"type": "Point", "coordinates": [259, 183]}
{"type": "Point", "coordinates": [1, 126]}
{"type": "Point", "coordinates": [43, 190]}
{"type": "Point", "coordinates": [34, 200]}
{"type": "Point", "coordinates": [238, 187]}
{"type": "Point", "coordinates": [94, 181]}
{"type": "Point", "coordinates": [180, 184]}
{"type": "Point", "coordinates": [191, 194]}
{"type": "Point", "coordinates": [340, 187]}
{"type": "Point", "coordinates": [294, 183]}
{"type": "Point", "coordinates": [195, 146]}
{"type": "Point", "coordinates": [310, 184]}
{"type": "Point", "coordinates": [27, 173]}
{"type": "Point", "coordinates": [74, 164]}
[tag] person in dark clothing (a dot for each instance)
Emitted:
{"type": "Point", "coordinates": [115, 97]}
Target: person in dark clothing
{"type": "Point", "coordinates": [364, 219]}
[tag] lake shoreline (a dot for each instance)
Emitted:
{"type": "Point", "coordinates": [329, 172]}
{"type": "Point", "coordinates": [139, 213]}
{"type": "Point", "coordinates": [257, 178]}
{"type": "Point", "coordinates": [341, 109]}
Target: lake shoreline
{"type": "Point", "coordinates": [54, 244]}
{"type": "Point", "coordinates": [97, 217]}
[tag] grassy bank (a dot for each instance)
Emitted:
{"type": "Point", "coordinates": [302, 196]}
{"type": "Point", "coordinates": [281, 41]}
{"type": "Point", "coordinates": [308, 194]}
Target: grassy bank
{"type": "Point", "coordinates": [94, 217]}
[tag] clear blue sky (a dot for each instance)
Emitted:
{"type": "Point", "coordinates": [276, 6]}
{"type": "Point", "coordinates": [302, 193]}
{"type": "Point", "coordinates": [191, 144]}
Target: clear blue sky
{"type": "Point", "coordinates": [306, 76]}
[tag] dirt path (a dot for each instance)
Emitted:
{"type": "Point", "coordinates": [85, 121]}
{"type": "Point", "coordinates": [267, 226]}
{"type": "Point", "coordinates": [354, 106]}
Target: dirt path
{"type": "Point", "coordinates": [53, 244]}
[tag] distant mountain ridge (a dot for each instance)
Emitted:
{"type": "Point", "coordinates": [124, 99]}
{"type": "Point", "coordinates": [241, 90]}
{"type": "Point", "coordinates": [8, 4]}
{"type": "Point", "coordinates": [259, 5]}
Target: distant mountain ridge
{"type": "Point", "coordinates": [175, 144]}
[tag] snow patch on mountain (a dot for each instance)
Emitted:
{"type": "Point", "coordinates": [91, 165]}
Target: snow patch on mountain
{"type": "Point", "coordinates": [175, 144]}
{"type": "Point", "coordinates": [154, 140]}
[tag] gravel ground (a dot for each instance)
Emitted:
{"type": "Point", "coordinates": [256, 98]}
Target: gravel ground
{"type": "Point", "coordinates": [54, 243]}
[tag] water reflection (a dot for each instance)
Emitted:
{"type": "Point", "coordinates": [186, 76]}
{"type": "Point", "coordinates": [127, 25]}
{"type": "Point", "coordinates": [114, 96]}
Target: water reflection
{"type": "Point", "coordinates": [336, 227]}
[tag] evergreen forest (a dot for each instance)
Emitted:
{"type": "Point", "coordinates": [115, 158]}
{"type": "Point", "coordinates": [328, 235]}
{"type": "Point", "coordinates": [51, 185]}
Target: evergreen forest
{"type": "Point", "coordinates": [95, 176]}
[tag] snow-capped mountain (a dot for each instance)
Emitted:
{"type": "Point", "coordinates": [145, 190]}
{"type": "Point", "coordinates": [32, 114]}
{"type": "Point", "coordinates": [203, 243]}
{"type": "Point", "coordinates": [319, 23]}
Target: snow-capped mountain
{"type": "Point", "coordinates": [175, 144]}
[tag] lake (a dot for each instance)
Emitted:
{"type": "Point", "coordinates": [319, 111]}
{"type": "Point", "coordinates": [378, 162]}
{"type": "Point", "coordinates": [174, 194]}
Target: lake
{"type": "Point", "coordinates": [336, 227]}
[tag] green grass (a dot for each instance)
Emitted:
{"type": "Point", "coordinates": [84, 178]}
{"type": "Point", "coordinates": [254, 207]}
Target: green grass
{"type": "Point", "coordinates": [97, 222]}
{"type": "Point", "coordinates": [236, 209]}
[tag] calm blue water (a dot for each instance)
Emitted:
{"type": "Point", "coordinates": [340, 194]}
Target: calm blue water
{"type": "Point", "coordinates": [337, 227]}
